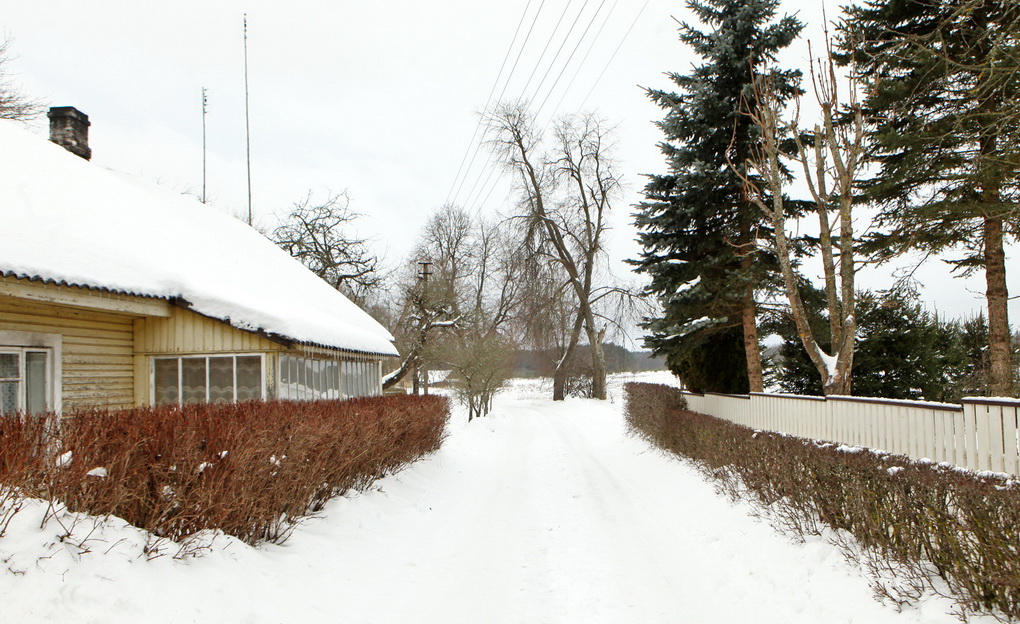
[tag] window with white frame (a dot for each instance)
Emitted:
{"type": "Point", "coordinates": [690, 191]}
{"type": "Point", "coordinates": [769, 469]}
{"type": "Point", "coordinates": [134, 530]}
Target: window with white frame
{"type": "Point", "coordinates": [25, 380]}
{"type": "Point", "coordinates": [309, 379]}
{"type": "Point", "coordinates": [360, 378]}
{"type": "Point", "coordinates": [208, 379]}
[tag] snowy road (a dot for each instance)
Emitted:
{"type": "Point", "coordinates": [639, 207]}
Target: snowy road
{"type": "Point", "coordinates": [540, 513]}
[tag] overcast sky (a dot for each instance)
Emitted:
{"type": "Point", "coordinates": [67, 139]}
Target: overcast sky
{"type": "Point", "coordinates": [378, 98]}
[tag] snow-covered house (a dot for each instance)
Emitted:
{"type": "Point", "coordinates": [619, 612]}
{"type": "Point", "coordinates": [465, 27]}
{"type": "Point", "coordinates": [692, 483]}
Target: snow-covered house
{"type": "Point", "coordinates": [116, 293]}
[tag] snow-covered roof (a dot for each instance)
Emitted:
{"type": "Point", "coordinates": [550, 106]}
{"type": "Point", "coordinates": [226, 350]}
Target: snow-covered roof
{"type": "Point", "coordinates": [66, 220]}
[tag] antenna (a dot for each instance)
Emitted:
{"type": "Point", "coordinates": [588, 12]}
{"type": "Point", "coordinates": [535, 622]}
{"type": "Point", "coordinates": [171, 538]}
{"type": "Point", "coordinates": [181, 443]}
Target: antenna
{"type": "Point", "coordinates": [205, 109]}
{"type": "Point", "coordinates": [247, 127]}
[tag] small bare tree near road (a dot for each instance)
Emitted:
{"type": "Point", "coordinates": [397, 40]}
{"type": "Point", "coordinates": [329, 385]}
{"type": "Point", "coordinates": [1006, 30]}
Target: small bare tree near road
{"type": "Point", "coordinates": [476, 270]}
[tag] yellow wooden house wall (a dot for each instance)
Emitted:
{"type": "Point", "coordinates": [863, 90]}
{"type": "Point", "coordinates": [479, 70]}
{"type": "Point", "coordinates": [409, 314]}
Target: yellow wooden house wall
{"type": "Point", "coordinates": [97, 349]}
{"type": "Point", "coordinates": [188, 333]}
{"type": "Point", "coordinates": [107, 352]}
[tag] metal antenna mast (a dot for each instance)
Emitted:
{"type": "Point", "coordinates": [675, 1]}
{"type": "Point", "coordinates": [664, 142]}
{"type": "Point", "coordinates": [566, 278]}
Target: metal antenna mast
{"type": "Point", "coordinates": [247, 127]}
{"type": "Point", "coordinates": [205, 102]}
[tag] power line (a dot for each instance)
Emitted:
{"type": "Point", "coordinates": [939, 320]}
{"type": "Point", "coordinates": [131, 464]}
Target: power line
{"type": "Point", "coordinates": [483, 178]}
{"type": "Point", "coordinates": [510, 74]}
{"type": "Point", "coordinates": [587, 53]}
{"type": "Point", "coordinates": [491, 170]}
{"type": "Point", "coordinates": [611, 58]}
{"type": "Point", "coordinates": [552, 88]}
{"type": "Point", "coordinates": [560, 49]}
{"type": "Point", "coordinates": [601, 74]}
{"type": "Point", "coordinates": [489, 98]}
{"type": "Point", "coordinates": [520, 52]}
{"type": "Point", "coordinates": [534, 71]}
{"type": "Point", "coordinates": [545, 49]}
{"type": "Point", "coordinates": [489, 194]}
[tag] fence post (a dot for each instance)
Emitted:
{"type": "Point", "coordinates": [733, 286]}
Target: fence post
{"type": "Point", "coordinates": [928, 431]}
{"type": "Point", "coordinates": [1011, 443]}
{"type": "Point", "coordinates": [970, 436]}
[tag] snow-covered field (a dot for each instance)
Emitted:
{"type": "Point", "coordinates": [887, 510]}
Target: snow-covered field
{"type": "Point", "coordinates": [541, 512]}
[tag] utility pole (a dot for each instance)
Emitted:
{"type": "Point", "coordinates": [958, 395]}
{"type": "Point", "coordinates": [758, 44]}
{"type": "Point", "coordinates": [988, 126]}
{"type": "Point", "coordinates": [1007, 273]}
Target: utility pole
{"type": "Point", "coordinates": [247, 126]}
{"type": "Point", "coordinates": [205, 102]}
{"type": "Point", "coordinates": [426, 266]}
{"type": "Point", "coordinates": [426, 271]}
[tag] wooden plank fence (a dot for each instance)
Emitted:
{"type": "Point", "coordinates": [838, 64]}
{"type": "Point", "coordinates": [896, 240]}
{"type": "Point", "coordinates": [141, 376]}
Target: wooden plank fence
{"type": "Point", "coordinates": [980, 434]}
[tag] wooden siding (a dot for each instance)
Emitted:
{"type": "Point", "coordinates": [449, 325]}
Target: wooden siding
{"type": "Point", "coordinates": [76, 296]}
{"type": "Point", "coordinates": [108, 339]}
{"type": "Point", "coordinates": [97, 349]}
{"type": "Point", "coordinates": [187, 332]}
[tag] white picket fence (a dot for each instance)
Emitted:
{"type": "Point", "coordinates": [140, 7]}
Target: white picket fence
{"type": "Point", "coordinates": [980, 434]}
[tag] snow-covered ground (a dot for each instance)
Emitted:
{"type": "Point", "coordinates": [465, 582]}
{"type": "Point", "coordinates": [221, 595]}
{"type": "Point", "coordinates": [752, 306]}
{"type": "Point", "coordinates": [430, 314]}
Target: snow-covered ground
{"type": "Point", "coordinates": [541, 512]}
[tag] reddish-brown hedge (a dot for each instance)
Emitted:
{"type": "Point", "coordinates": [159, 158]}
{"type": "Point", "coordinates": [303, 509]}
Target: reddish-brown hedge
{"type": "Point", "coordinates": [912, 522]}
{"type": "Point", "coordinates": [248, 469]}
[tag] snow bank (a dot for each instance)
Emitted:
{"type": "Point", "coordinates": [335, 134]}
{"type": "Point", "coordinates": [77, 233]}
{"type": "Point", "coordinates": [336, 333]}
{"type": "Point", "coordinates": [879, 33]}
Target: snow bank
{"type": "Point", "coordinates": [542, 512]}
{"type": "Point", "coordinates": [69, 221]}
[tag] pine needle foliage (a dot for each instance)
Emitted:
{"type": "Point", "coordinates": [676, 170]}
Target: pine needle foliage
{"type": "Point", "coordinates": [697, 228]}
{"type": "Point", "coordinates": [944, 85]}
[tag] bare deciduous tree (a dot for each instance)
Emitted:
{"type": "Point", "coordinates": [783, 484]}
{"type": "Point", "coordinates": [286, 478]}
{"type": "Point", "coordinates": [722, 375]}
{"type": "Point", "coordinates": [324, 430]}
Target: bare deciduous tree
{"type": "Point", "coordinates": [831, 160]}
{"type": "Point", "coordinates": [13, 103]}
{"type": "Point", "coordinates": [476, 269]}
{"type": "Point", "coordinates": [566, 198]}
{"type": "Point", "coordinates": [317, 234]}
{"type": "Point", "coordinates": [471, 292]}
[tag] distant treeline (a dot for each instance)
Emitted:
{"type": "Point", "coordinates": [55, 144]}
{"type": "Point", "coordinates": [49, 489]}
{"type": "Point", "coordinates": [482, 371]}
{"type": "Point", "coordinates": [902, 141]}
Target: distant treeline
{"type": "Point", "coordinates": [532, 363]}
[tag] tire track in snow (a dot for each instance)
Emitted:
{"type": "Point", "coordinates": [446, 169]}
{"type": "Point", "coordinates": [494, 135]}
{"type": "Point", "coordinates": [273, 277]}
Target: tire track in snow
{"type": "Point", "coordinates": [549, 512]}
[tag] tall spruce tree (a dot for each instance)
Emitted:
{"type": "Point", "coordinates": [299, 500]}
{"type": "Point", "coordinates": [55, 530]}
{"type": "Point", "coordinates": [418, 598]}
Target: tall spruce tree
{"type": "Point", "coordinates": [697, 227]}
{"type": "Point", "coordinates": [944, 80]}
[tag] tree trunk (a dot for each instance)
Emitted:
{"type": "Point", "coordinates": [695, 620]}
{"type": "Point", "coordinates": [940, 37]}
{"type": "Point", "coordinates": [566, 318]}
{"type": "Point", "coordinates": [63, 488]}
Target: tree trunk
{"type": "Point", "coordinates": [565, 362]}
{"type": "Point", "coordinates": [598, 365]}
{"type": "Point", "coordinates": [1000, 374]}
{"type": "Point", "coordinates": [752, 351]}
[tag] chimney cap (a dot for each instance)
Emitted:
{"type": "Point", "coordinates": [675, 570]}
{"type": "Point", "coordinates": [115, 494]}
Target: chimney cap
{"type": "Point", "coordinates": [69, 128]}
{"type": "Point", "coordinates": [68, 111]}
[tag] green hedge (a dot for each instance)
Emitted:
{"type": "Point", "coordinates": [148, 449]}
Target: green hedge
{"type": "Point", "coordinates": [911, 522]}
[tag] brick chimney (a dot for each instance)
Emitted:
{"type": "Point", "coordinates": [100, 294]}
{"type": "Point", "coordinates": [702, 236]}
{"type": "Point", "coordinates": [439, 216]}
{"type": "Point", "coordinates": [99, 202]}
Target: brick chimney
{"type": "Point", "coordinates": [69, 128]}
